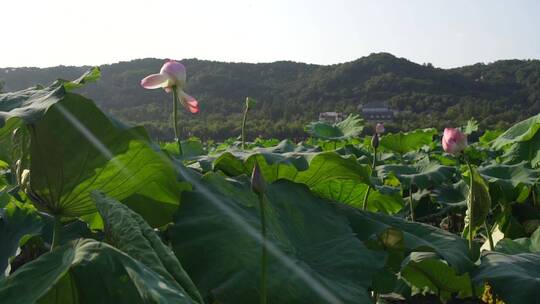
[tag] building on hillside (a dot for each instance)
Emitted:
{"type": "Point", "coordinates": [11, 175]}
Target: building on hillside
{"type": "Point", "coordinates": [331, 117]}
{"type": "Point", "coordinates": [377, 111]}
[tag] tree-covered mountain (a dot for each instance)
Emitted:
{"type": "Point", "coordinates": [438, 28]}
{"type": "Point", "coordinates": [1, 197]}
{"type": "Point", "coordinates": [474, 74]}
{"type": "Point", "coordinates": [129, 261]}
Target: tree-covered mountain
{"type": "Point", "coordinates": [291, 94]}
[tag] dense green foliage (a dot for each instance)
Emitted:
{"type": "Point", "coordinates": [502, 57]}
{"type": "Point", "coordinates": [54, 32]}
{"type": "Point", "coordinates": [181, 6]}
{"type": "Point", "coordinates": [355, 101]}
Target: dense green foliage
{"type": "Point", "coordinates": [93, 211]}
{"type": "Point", "coordinates": [292, 94]}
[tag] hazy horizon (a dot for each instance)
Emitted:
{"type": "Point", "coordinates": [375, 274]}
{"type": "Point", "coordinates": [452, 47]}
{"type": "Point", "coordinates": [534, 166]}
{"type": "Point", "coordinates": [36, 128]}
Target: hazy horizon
{"type": "Point", "coordinates": [445, 34]}
{"type": "Point", "coordinates": [283, 60]}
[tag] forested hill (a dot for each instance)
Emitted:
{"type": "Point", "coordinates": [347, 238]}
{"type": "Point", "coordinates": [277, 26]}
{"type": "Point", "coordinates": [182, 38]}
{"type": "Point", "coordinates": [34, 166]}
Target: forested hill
{"type": "Point", "coordinates": [291, 94]}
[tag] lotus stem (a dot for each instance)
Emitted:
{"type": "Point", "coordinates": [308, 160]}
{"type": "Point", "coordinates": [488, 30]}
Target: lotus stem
{"type": "Point", "coordinates": [263, 249]}
{"type": "Point", "coordinates": [366, 196]}
{"type": "Point", "coordinates": [490, 238]}
{"type": "Point", "coordinates": [471, 215]}
{"type": "Point", "coordinates": [57, 226]}
{"type": "Point", "coordinates": [244, 126]}
{"type": "Point", "coordinates": [373, 166]}
{"type": "Point", "coordinates": [411, 203]}
{"type": "Point", "coordinates": [175, 119]}
{"type": "Point", "coordinates": [534, 196]}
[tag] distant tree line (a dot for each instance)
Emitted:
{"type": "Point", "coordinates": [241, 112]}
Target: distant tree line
{"type": "Point", "coordinates": [291, 94]}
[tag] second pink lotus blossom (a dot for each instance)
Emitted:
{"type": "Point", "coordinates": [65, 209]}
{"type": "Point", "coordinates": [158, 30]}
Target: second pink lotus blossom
{"type": "Point", "coordinates": [454, 141]}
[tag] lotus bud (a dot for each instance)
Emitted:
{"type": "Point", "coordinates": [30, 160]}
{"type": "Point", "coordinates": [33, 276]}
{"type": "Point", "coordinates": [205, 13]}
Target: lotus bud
{"type": "Point", "coordinates": [454, 141]}
{"type": "Point", "coordinates": [375, 141]}
{"type": "Point", "coordinates": [258, 185]}
{"type": "Point", "coordinates": [379, 128]}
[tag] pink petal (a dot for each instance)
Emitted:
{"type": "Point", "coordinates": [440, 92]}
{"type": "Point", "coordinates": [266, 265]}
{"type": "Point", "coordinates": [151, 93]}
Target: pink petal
{"type": "Point", "coordinates": [190, 103]}
{"type": "Point", "coordinates": [155, 81]}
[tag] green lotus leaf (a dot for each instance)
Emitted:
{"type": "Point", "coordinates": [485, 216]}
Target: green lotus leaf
{"type": "Point", "coordinates": [510, 182]}
{"type": "Point", "coordinates": [489, 136]}
{"type": "Point", "coordinates": [127, 231]}
{"type": "Point", "coordinates": [351, 127]}
{"type": "Point", "coordinates": [521, 245]}
{"type": "Point", "coordinates": [327, 174]}
{"type": "Point", "coordinates": [416, 236]}
{"type": "Point", "coordinates": [31, 104]}
{"type": "Point", "coordinates": [87, 271]}
{"type": "Point", "coordinates": [427, 273]}
{"type": "Point", "coordinates": [521, 132]}
{"type": "Point", "coordinates": [75, 149]}
{"type": "Point", "coordinates": [471, 126]}
{"type": "Point", "coordinates": [524, 151]}
{"type": "Point", "coordinates": [16, 221]}
{"type": "Point", "coordinates": [215, 237]}
{"type": "Point", "coordinates": [423, 174]}
{"type": "Point", "coordinates": [453, 195]}
{"type": "Point", "coordinates": [514, 278]}
{"type": "Point", "coordinates": [92, 75]}
{"type": "Point", "coordinates": [410, 141]}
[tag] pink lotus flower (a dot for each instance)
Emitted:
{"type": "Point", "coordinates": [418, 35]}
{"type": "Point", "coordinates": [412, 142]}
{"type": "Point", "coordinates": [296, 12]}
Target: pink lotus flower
{"type": "Point", "coordinates": [172, 74]}
{"type": "Point", "coordinates": [379, 128]}
{"type": "Point", "coordinates": [454, 141]}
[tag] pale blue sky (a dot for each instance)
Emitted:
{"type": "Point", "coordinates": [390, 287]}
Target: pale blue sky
{"type": "Point", "coordinates": [445, 33]}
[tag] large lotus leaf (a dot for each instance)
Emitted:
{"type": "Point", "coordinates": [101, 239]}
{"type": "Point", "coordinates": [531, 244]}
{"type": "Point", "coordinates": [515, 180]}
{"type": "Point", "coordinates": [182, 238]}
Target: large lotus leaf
{"type": "Point", "coordinates": [351, 127]}
{"type": "Point", "coordinates": [426, 272]}
{"type": "Point", "coordinates": [328, 174]}
{"type": "Point", "coordinates": [524, 151]}
{"type": "Point", "coordinates": [409, 141]}
{"type": "Point", "coordinates": [127, 231]}
{"type": "Point", "coordinates": [453, 195]}
{"type": "Point", "coordinates": [16, 221]}
{"type": "Point", "coordinates": [68, 232]}
{"type": "Point", "coordinates": [332, 145]}
{"type": "Point", "coordinates": [381, 198]}
{"type": "Point", "coordinates": [93, 74]}
{"type": "Point", "coordinates": [30, 104]}
{"type": "Point", "coordinates": [315, 257]}
{"type": "Point", "coordinates": [191, 148]}
{"type": "Point", "coordinates": [510, 182]}
{"type": "Point", "coordinates": [514, 278]}
{"type": "Point", "coordinates": [87, 271]}
{"type": "Point", "coordinates": [489, 136]}
{"type": "Point", "coordinates": [521, 245]}
{"type": "Point", "coordinates": [7, 146]}
{"type": "Point", "coordinates": [416, 236]}
{"type": "Point", "coordinates": [423, 174]}
{"type": "Point", "coordinates": [155, 194]}
{"type": "Point", "coordinates": [75, 148]}
{"type": "Point", "coordinates": [522, 131]}
{"type": "Point", "coordinates": [232, 161]}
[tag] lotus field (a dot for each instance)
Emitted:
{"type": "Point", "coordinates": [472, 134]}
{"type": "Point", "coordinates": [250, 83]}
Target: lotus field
{"type": "Point", "coordinates": [93, 211]}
